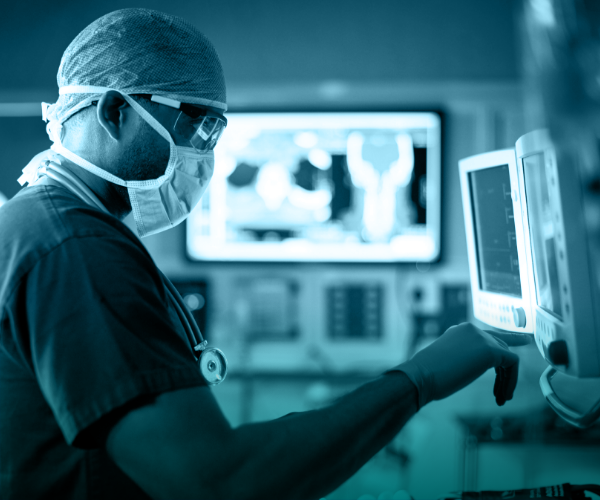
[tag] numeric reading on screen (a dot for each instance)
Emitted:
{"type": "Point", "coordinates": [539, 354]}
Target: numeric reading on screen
{"type": "Point", "coordinates": [494, 228]}
{"type": "Point", "coordinates": [542, 233]}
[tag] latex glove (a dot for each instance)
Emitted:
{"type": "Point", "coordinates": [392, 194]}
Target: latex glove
{"type": "Point", "coordinates": [462, 354]}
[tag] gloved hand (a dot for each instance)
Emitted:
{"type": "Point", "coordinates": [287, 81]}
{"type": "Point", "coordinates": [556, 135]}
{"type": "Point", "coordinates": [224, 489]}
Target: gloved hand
{"type": "Point", "coordinates": [461, 355]}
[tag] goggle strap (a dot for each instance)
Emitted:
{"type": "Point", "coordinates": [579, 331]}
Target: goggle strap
{"type": "Point", "coordinates": [166, 101]}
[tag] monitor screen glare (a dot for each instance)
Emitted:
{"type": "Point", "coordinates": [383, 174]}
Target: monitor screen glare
{"type": "Point", "coordinates": [355, 187]}
{"type": "Point", "coordinates": [542, 234]}
{"type": "Point", "coordinates": [495, 235]}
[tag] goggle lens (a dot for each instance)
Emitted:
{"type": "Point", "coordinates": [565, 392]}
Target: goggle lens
{"type": "Point", "coordinates": [203, 132]}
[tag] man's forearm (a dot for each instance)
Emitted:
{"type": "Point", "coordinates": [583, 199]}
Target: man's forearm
{"type": "Point", "coordinates": [307, 455]}
{"type": "Point", "coordinates": [182, 446]}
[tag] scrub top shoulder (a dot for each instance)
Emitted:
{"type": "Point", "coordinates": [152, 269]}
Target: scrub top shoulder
{"type": "Point", "coordinates": [86, 330]}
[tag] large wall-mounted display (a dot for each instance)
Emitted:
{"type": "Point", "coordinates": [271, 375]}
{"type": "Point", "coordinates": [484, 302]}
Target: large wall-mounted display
{"type": "Point", "coordinates": [323, 186]}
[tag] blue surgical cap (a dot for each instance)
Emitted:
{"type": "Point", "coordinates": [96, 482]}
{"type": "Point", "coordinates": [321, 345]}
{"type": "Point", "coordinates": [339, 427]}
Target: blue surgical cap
{"type": "Point", "coordinates": [139, 51]}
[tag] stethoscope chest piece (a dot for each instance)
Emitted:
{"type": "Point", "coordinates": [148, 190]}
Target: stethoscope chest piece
{"type": "Point", "coordinates": [213, 365]}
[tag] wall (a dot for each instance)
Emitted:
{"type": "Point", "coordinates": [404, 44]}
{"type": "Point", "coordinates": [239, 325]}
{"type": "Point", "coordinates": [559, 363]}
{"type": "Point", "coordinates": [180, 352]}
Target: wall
{"type": "Point", "coordinates": [268, 41]}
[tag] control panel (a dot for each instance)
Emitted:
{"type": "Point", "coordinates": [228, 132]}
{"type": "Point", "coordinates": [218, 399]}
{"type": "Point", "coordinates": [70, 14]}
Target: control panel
{"type": "Point", "coordinates": [355, 311]}
{"type": "Point", "coordinates": [500, 313]}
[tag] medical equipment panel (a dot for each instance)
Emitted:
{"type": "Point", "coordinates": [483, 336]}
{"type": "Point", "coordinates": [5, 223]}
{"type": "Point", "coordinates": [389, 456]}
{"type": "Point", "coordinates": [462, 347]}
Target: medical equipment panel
{"type": "Point", "coordinates": [354, 312]}
{"type": "Point", "coordinates": [564, 298]}
{"type": "Point", "coordinates": [322, 187]}
{"type": "Point", "coordinates": [495, 244]}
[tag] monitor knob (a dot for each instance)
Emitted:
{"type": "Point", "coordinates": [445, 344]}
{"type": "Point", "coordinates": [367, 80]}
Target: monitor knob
{"type": "Point", "coordinates": [558, 353]}
{"type": "Point", "coordinates": [519, 317]}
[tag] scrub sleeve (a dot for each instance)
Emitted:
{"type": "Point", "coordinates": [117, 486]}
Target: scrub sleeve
{"type": "Point", "coordinates": [102, 331]}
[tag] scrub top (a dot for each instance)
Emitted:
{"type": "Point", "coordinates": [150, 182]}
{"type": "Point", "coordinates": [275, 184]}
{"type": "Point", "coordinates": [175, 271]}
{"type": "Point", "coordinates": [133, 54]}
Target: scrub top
{"type": "Point", "coordinates": [87, 332]}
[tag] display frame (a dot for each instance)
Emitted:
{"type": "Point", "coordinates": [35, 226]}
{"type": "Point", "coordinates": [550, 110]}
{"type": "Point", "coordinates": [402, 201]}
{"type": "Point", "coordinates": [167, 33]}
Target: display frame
{"type": "Point", "coordinates": [503, 311]}
{"type": "Point", "coordinates": [434, 194]}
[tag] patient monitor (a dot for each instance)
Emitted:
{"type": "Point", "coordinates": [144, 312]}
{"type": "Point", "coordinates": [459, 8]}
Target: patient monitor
{"type": "Point", "coordinates": [564, 296]}
{"type": "Point", "coordinates": [495, 242]}
{"type": "Point", "coordinates": [529, 253]}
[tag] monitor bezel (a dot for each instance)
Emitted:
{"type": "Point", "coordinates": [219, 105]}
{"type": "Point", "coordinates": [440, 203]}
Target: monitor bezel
{"type": "Point", "coordinates": [578, 324]}
{"type": "Point", "coordinates": [495, 309]}
{"type": "Point", "coordinates": [432, 199]}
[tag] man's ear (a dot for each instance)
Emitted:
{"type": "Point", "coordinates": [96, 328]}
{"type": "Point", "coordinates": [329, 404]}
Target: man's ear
{"type": "Point", "coordinates": [110, 112]}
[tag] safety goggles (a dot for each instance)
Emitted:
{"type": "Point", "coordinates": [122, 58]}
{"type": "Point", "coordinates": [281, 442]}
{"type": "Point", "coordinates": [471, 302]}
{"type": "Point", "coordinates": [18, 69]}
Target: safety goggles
{"type": "Point", "coordinates": [202, 127]}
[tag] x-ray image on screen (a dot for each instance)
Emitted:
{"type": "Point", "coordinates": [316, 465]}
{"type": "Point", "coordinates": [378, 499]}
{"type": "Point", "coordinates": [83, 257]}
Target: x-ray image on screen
{"type": "Point", "coordinates": [542, 234]}
{"type": "Point", "coordinates": [495, 235]}
{"type": "Point", "coordinates": [322, 186]}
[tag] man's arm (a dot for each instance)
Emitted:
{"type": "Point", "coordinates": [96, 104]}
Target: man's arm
{"type": "Point", "coordinates": [181, 446]}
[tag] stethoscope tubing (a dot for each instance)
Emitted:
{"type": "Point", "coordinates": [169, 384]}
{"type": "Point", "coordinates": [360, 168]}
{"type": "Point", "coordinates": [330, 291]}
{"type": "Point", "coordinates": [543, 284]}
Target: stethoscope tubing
{"type": "Point", "coordinates": [185, 316]}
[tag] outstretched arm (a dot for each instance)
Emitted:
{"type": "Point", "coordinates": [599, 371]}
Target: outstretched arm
{"type": "Point", "coordinates": [181, 445]}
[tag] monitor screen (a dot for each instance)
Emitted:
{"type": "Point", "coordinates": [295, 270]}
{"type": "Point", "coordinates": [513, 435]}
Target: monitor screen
{"type": "Point", "coordinates": [322, 186]}
{"type": "Point", "coordinates": [494, 228]}
{"type": "Point", "coordinates": [542, 234]}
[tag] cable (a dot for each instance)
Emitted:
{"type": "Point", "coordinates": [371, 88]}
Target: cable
{"type": "Point", "coordinates": [191, 328]}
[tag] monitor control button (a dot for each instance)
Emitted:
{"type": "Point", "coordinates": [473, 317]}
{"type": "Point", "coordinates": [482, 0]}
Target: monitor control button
{"type": "Point", "coordinates": [519, 317]}
{"type": "Point", "coordinates": [557, 353]}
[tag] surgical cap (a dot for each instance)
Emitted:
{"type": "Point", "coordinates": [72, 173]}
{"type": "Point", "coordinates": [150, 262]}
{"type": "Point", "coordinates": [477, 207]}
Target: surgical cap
{"type": "Point", "coordinates": [140, 51]}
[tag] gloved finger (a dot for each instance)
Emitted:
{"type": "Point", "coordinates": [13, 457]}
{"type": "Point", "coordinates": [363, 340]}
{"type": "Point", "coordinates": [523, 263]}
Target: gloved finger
{"type": "Point", "coordinates": [512, 339]}
{"type": "Point", "coordinates": [500, 386]}
{"type": "Point", "coordinates": [507, 374]}
{"type": "Point", "coordinates": [500, 342]}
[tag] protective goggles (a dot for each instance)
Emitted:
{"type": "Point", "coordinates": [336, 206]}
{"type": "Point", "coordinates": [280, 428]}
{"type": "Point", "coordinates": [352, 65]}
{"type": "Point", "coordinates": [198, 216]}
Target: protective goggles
{"type": "Point", "coordinates": [201, 126]}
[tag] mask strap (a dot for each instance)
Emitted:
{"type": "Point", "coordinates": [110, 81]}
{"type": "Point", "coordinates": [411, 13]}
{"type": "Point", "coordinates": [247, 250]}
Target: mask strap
{"type": "Point", "coordinates": [90, 89]}
{"type": "Point", "coordinates": [82, 162]}
{"type": "Point", "coordinates": [153, 122]}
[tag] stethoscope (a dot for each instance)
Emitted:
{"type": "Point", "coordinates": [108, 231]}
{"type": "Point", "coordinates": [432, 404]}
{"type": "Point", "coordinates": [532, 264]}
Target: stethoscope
{"type": "Point", "coordinates": [211, 361]}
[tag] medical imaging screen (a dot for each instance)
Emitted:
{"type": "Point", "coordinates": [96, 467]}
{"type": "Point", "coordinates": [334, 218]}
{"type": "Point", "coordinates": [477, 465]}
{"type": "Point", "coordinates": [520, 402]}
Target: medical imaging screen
{"type": "Point", "coordinates": [495, 234]}
{"type": "Point", "coordinates": [542, 234]}
{"type": "Point", "coordinates": [336, 187]}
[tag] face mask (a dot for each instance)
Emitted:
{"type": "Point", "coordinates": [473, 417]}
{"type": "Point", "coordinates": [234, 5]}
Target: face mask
{"type": "Point", "coordinates": [161, 203]}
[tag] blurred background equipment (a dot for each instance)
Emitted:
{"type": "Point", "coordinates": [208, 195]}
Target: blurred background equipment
{"type": "Point", "coordinates": [561, 47]}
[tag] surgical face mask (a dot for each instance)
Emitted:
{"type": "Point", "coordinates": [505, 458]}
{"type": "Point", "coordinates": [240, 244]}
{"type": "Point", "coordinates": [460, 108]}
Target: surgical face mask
{"type": "Point", "coordinates": [161, 203]}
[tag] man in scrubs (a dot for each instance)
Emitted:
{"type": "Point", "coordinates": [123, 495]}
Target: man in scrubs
{"type": "Point", "coordinates": [100, 392]}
